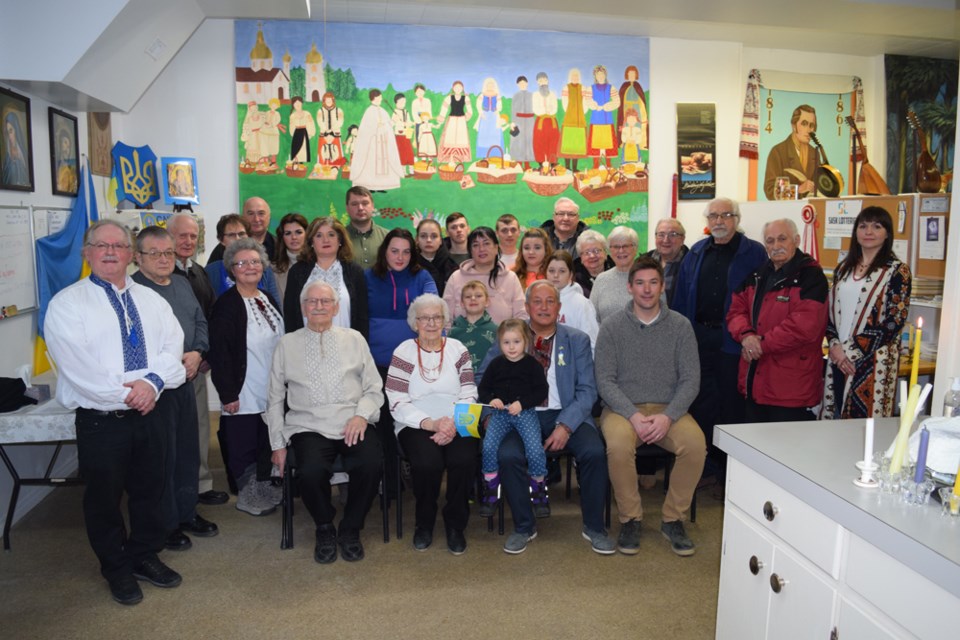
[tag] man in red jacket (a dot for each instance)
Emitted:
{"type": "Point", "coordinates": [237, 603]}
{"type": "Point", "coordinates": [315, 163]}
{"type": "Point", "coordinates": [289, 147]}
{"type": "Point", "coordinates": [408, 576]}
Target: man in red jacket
{"type": "Point", "coordinates": [779, 316]}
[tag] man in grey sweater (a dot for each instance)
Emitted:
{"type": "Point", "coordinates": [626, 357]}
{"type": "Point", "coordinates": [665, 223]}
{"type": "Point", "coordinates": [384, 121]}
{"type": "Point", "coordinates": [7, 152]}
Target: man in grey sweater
{"type": "Point", "coordinates": [648, 373]}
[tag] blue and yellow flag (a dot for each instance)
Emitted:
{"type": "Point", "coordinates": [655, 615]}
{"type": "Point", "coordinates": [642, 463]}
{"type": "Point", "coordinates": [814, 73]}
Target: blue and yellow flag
{"type": "Point", "coordinates": [467, 418]}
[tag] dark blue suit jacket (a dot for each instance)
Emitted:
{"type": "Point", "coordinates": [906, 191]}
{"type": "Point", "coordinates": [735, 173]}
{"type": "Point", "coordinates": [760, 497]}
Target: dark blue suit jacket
{"type": "Point", "coordinates": [573, 366]}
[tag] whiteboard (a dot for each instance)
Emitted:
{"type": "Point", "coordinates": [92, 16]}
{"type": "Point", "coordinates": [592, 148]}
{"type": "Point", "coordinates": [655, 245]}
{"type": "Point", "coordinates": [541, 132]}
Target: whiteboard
{"type": "Point", "coordinates": [20, 226]}
{"type": "Point", "coordinates": [18, 284]}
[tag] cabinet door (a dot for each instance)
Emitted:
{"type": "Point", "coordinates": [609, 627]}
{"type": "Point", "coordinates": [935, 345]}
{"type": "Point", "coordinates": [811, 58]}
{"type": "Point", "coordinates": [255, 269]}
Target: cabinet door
{"type": "Point", "coordinates": [801, 603]}
{"type": "Point", "coordinates": [855, 624]}
{"type": "Point", "coordinates": [744, 579]}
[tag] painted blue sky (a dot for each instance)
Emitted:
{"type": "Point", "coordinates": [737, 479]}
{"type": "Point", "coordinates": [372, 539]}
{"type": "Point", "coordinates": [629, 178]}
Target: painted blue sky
{"type": "Point", "coordinates": [436, 56]}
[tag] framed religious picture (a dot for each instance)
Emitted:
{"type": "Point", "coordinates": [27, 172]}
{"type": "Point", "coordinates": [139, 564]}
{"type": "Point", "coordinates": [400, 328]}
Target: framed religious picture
{"type": "Point", "coordinates": [64, 151]}
{"type": "Point", "coordinates": [16, 144]}
{"type": "Point", "coordinates": [179, 180]}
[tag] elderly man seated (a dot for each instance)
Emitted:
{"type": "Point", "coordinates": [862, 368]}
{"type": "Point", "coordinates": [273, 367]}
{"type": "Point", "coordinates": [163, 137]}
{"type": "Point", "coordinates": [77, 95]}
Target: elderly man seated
{"type": "Point", "coordinates": [330, 383]}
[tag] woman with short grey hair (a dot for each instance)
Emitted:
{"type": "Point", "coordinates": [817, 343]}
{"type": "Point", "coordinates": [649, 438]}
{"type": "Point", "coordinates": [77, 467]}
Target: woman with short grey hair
{"type": "Point", "coordinates": [610, 293]}
{"type": "Point", "coordinates": [220, 271]}
{"type": "Point", "coordinates": [428, 376]}
{"type": "Point", "coordinates": [592, 259]}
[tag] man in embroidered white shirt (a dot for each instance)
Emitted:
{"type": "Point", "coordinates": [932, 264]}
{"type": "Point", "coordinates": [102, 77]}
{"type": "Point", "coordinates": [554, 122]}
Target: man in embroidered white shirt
{"type": "Point", "coordinates": [117, 346]}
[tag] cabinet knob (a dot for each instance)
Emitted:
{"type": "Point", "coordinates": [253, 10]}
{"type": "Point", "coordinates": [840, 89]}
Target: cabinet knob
{"type": "Point", "coordinates": [777, 583]}
{"type": "Point", "coordinates": [769, 511]}
{"type": "Point", "coordinates": [755, 565]}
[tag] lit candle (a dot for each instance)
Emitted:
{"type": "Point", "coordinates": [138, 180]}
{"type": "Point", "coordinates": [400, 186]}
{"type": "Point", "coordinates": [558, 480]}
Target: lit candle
{"type": "Point", "coordinates": [922, 456]}
{"type": "Point", "coordinates": [915, 365]}
{"type": "Point", "coordinates": [868, 442]}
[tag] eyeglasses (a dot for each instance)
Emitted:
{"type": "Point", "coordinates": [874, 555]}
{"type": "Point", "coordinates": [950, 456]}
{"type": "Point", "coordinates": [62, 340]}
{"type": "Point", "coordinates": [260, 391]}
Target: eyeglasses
{"type": "Point", "coordinates": [565, 214]}
{"type": "Point", "coordinates": [255, 262]}
{"type": "Point", "coordinates": [622, 247]}
{"type": "Point", "coordinates": [153, 254]}
{"type": "Point", "coordinates": [115, 246]}
{"type": "Point", "coordinates": [236, 236]}
{"type": "Point", "coordinates": [430, 319]}
{"type": "Point", "coordinates": [726, 215]}
{"type": "Point", "coordinates": [323, 302]}
{"type": "Point", "coordinates": [593, 252]}
{"type": "Point", "coordinates": [673, 235]}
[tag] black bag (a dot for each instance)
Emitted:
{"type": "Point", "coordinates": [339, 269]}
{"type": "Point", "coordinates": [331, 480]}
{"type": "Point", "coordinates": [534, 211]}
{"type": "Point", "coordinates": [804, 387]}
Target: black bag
{"type": "Point", "coordinates": [12, 396]}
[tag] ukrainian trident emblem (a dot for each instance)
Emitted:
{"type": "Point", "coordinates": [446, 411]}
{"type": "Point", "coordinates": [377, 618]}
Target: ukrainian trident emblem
{"type": "Point", "coordinates": [135, 170]}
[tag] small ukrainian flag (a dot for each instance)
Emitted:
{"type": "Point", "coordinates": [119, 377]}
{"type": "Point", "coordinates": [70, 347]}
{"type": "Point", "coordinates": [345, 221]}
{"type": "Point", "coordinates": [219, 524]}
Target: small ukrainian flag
{"type": "Point", "coordinates": [467, 418]}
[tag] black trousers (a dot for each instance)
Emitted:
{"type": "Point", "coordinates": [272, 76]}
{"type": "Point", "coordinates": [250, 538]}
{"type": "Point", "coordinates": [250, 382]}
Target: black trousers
{"type": "Point", "coordinates": [428, 460]}
{"type": "Point", "coordinates": [248, 442]}
{"type": "Point", "coordinates": [119, 453]}
{"type": "Point", "coordinates": [719, 401]}
{"type": "Point", "coordinates": [183, 461]}
{"type": "Point", "coordinates": [755, 412]}
{"type": "Point", "coordinates": [315, 455]}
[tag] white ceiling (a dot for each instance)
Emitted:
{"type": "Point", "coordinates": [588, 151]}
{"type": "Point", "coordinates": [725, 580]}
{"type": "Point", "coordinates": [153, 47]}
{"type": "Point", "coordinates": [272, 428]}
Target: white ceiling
{"type": "Point", "coordinates": [856, 27]}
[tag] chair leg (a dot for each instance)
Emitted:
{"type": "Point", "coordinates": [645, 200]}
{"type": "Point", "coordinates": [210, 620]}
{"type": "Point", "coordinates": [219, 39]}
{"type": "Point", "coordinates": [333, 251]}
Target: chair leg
{"type": "Point", "coordinates": [693, 507]}
{"type": "Point", "coordinates": [385, 502]}
{"type": "Point", "coordinates": [399, 499]}
{"type": "Point", "coordinates": [500, 515]}
{"type": "Point", "coordinates": [607, 504]}
{"type": "Point", "coordinates": [569, 475]}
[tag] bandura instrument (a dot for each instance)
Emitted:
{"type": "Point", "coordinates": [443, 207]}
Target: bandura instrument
{"type": "Point", "coordinates": [829, 181]}
{"type": "Point", "coordinates": [870, 182]}
{"type": "Point", "coordinates": [927, 174]}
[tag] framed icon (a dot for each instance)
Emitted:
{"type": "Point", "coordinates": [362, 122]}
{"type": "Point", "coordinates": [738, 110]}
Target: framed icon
{"type": "Point", "coordinates": [16, 143]}
{"type": "Point", "coordinates": [180, 180]}
{"type": "Point", "coordinates": [64, 151]}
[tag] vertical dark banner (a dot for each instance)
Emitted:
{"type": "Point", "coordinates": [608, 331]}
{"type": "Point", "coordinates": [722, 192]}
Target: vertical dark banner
{"type": "Point", "coordinates": [696, 150]}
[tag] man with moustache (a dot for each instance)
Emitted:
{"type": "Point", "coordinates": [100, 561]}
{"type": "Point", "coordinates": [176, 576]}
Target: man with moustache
{"type": "Point", "coordinates": [118, 347]}
{"type": "Point", "coordinates": [779, 317]}
{"type": "Point", "coordinates": [795, 157]}
{"type": "Point", "coordinates": [546, 129]}
{"type": "Point", "coordinates": [711, 272]}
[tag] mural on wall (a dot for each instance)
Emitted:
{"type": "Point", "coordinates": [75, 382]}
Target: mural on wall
{"type": "Point", "coordinates": [928, 88]}
{"type": "Point", "coordinates": [787, 134]}
{"type": "Point", "coordinates": [436, 120]}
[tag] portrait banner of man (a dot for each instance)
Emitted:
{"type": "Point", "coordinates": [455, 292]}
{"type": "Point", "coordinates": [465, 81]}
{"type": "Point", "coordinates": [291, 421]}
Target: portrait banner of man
{"type": "Point", "coordinates": [780, 113]}
{"type": "Point", "coordinates": [64, 151]}
{"type": "Point", "coordinates": [16, 145]}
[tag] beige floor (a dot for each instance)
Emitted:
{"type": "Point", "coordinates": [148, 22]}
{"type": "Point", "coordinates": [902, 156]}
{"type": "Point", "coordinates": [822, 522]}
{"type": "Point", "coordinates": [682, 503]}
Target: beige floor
{"type": "Point", "coordinates": [241, 585]}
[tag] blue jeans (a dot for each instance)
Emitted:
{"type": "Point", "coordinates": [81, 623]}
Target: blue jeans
{"type": "Point", "coordinates": [589, 452]}
{"type": "Point", "coordinates": [528, 426]}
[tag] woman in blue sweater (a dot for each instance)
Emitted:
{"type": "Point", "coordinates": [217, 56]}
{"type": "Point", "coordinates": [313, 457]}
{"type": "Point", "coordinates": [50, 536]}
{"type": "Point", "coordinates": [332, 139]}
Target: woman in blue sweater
{"type": "Point", "coordinates": [393, 283]}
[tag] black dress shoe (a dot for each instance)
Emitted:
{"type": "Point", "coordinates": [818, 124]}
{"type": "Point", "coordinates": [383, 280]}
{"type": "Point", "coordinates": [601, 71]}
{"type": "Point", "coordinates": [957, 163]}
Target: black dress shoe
{"type": "Point", "coordinates": [326, 550]}
{"type": "Point", "coordinates": [200, 527]}
{"type": "Point", "coordinates": [213, 497]}
{"type": "Point", "coordinates": [351, 549]}
{"type": "Point", "coordinates": [177, 541]}
{"type": "Point", "coordinates": [422, 539]}
{"type": "Point", "coordinates": [456, 543]}
{"type": "Point", "coordinates": [152, 570]}
{"type": "Point", "coordinates": [125, 590]}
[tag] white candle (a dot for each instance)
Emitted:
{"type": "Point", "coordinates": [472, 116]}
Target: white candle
{"type": "Point", "coordinates": [868, 442]}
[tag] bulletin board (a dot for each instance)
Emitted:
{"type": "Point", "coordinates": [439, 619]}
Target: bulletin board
{"type": "Point", "coordinates": [900, 207]}
{"type": "Point", "coordinates": [926, 264]}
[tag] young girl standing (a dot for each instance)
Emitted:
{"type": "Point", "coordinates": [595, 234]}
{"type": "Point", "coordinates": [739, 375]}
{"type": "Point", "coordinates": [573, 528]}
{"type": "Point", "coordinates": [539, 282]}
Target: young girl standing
{"type": "Point", "coordinates": [514, 384]}
{"type": "Point", "coordinates": [535, 252]}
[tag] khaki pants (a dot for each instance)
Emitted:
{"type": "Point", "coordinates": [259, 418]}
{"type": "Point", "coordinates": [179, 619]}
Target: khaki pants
{"type": "Point", "coordinates": [684, 439]}
{"type": "Point", "coordinates": [203, 421]}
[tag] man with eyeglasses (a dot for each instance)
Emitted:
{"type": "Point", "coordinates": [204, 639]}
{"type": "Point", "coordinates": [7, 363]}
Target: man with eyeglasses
{"type": "Point", "coordinates": [324, 394]}
{"type": "Point", "coordinates": [231, 228]}
{"type": "Point", "coordinates": [155, 255]}
{"type": "Point", "coordinates": [118, 349]}
{"type": "Point", "coordinates": [670, 251]}
{"type": "Point", "coordinates": [565, 227]}
{"type": "Point", "coordinates": [186, 233]}
{"type": "Point", "coordinates": [713, 269]}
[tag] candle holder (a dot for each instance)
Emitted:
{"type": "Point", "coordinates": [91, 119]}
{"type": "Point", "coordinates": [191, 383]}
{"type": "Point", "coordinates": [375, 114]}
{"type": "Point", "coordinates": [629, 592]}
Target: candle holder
{"type": "Point", "coordinates": [867, 471]}
{"type": "Point", "coordinates": [888, 481]}
{"type": "Point", "coordinates": [949, 504]}
{"type": "Point", "coordinates": [916, 493]}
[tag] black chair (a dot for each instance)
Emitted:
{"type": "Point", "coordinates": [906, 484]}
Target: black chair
{"type": "Point", "coordinates": [290, 491]}
{"type": "Point", "coordinates": [652, 453]}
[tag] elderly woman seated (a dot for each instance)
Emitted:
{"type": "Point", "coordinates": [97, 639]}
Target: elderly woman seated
{"type": "Point", "coordinates": [428, 376]}
{"type": "Point", "coordinates": [330, 383]}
